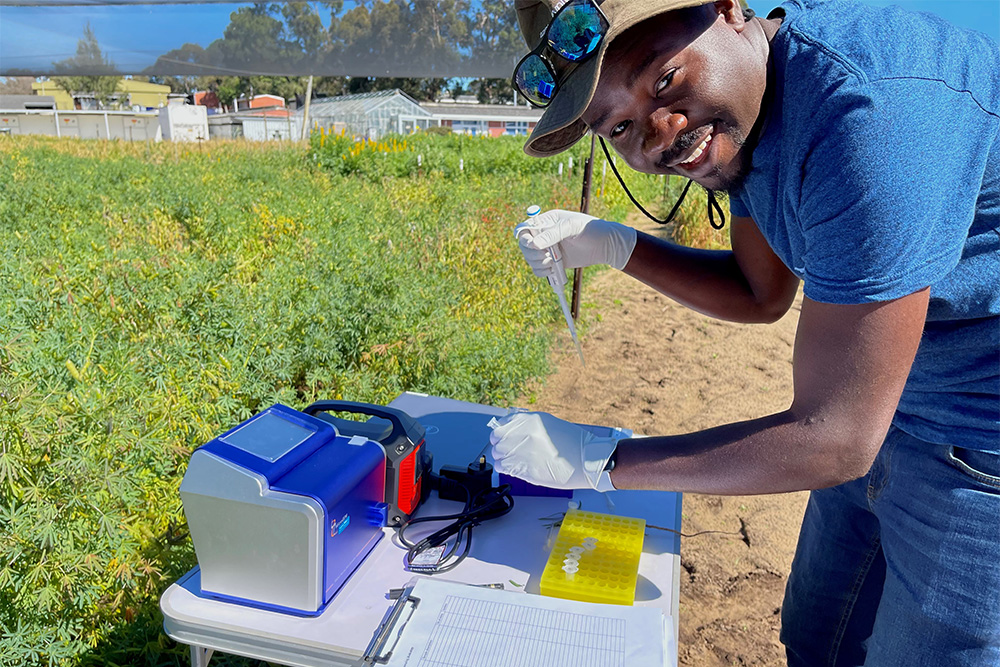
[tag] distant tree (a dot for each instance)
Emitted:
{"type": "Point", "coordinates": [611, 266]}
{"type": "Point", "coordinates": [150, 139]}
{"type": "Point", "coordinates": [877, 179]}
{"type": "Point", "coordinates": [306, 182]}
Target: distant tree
{"type": "Point", "coordinates": [439, 29]}
{"type": "Point", "coordinates": [178, 84]}
{"type": "Point", "coordinates": [422, 90]}
{"type": "Point", "coordinates": [359, 42]}
{"type": "Point", "coordinates": [327, 86]}
{"type": "Point", "coordinates": [253, 38]}
{"type": "Point", "coordinates": [89, 72]}
{"type": "Point", "coordinates": [495, 35]}
{"type": "Point", "coordinates": [16, 85]}
{"type": "Point", "coordinates": [188, 63]}
{"type": "Point", "coordinates": [371, 36]}
{"type": "Point", "coordinates": [434, 89]}
{"type": "Point", "coordinates": [226, 88]}
{"type": "Point", "coordinates": [395, 37]}
{"type": "Point", "coordinates": [287, 87]}
{"type": "Point", "coordinates": [494, 91]}
{"type": "Point", "coordinates": [305, 32]}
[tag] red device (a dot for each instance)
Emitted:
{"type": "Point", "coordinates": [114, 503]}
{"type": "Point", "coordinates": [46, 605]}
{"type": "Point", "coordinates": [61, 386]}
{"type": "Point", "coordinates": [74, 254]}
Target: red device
{"type": "Point", "coordinates": [405, 452]}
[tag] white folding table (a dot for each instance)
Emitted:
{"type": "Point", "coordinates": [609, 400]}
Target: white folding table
{"type": "Point", "coordinates": [511, 550]}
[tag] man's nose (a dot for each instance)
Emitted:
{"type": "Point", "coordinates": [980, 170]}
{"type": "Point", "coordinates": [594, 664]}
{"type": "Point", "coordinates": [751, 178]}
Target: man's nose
{"type": "Point", "coordinates": [661, 131]}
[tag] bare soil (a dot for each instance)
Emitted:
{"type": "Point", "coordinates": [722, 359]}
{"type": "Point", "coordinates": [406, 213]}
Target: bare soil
{"type": "Point", "coordinates": [659, 368]}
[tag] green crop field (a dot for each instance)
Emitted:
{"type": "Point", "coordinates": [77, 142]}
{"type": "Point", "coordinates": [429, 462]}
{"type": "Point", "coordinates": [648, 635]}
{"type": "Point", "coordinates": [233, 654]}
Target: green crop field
{"type": "Point", "coordinates": [152, 296]}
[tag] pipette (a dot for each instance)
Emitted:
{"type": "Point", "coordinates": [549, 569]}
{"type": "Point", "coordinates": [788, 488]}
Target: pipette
{"type": "Point", "coordinates": [557, 277]}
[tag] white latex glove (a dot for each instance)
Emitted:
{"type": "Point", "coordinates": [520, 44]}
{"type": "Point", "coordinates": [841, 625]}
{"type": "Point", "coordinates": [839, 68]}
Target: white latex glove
{"type": "Point", "coordinates": [583, 239]}
{"type": "Point", "coordinates": [547, 451]}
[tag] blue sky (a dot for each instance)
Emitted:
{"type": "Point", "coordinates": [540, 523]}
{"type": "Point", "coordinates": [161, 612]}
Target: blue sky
{"type": "Point", "coordinates": [133, 35]}
{"type": "Point", "coordinates": [981, 15]}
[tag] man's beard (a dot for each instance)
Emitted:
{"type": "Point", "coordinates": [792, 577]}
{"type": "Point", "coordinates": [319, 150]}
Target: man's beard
{"type": "Point", "coordinates": [722, 182]}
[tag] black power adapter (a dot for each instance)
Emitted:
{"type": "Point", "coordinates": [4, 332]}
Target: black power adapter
{"type": "Point", "coordinates": [455, 481]}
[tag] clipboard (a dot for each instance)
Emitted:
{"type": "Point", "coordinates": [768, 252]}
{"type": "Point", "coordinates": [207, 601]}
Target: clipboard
{"type": "Point", "coordinates": [379, 650]}
{"type": "Point", "coordinates": [451, 623]}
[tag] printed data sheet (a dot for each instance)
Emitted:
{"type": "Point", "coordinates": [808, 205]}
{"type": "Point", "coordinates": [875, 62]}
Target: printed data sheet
{"type": "Point", "coordinates": [453, 625]}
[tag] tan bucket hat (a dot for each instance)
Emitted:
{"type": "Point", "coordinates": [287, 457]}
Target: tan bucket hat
{"type": "Point", "coordinates": [560, 126]}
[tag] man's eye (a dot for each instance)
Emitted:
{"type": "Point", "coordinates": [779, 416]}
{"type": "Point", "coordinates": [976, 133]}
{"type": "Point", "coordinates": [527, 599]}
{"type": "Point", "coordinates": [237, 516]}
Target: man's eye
{"type": "Point", "coordinates": [619, 128]}
{"type": "Point", "coordinates": [665, 81]}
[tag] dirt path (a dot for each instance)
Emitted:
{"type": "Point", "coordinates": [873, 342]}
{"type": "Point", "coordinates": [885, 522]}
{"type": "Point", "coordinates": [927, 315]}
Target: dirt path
{"type": "Point", "coordinates": [659, 368]}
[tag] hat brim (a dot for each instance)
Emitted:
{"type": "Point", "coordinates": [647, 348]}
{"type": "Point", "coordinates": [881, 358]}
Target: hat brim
{"type": "Point", "coordinates": [560, 126]}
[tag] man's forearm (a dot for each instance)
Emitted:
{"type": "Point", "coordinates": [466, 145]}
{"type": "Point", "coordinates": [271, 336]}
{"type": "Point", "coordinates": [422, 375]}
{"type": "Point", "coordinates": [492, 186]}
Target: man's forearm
{"type": "Point", "coordinates": [773, 454]}
{"type": "Point", "coordinates": [708, 281]}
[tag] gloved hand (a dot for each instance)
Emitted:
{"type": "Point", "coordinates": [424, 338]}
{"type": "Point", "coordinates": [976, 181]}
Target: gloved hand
{"type": "Point", "coordinates": [583, 239]}
{"type": "Point", "coordinates": [547, 451]}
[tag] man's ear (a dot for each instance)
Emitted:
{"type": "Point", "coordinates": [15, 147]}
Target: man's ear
{"type": "Point", "coordinates": [732, 11]}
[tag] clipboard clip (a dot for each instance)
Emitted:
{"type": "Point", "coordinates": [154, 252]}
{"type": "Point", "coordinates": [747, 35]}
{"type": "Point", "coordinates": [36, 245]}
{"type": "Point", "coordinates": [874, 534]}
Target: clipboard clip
{"type": "Point", "coordinates": [389, 630]}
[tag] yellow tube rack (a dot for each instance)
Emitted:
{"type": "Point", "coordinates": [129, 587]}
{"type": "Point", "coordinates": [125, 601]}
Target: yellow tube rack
{"type": "Point", "coordinates": [606, 573]}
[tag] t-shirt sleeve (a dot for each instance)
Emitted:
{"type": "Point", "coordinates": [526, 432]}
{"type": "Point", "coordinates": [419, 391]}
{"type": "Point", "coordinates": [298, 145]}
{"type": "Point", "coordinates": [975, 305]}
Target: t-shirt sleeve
{"type": "Point", "coordinates": [736, 207]}
{"type": "Point", "coordinates": [891, 174]}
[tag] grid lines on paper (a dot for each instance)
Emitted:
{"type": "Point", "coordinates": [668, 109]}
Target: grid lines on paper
{"type": "Point", "coordinates": [485, 633]}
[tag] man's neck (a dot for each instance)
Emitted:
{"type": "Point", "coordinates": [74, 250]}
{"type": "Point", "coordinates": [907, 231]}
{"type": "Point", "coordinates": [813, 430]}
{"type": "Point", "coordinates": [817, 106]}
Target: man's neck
{"type": "Point", "coordinates": [769, 26]}
{"type": "Point", "coordinates": [770, 29]}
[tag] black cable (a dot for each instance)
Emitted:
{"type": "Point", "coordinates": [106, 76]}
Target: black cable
{"type": "Point", "coordinates": [649, 215]}
{"type": "Point", "coordinates": [438, 537]}
{"type": "Point", "coordinates": [489, 504]}
{"type": "Point", "coordinates": [711, 197]}
{"type": "Point", "coordinates": [714, 204]}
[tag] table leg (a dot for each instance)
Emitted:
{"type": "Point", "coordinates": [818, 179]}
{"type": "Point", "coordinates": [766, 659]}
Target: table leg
{"type": "Point", "coordinates": [200, 656]}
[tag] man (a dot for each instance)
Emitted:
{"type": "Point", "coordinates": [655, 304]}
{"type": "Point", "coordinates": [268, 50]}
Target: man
{"type": "Point", "coordinates": [861, 152]}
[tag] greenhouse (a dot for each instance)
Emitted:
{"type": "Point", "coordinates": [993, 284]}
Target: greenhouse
{"type": "Point", "coordinates": [370, 115]}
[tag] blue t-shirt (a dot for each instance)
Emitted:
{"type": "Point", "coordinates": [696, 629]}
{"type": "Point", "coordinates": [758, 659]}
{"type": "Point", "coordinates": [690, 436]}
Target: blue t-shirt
{"type": "Point", "coordinates": [876, 175]}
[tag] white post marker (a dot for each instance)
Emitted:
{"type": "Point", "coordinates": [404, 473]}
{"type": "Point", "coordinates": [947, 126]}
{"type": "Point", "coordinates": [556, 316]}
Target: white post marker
{"type": "Point", "coordinates": [557, 278]}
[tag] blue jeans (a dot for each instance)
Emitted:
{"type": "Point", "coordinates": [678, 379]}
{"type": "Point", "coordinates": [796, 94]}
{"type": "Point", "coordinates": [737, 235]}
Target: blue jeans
{"type": "Point", "coordinates": [902, 566]}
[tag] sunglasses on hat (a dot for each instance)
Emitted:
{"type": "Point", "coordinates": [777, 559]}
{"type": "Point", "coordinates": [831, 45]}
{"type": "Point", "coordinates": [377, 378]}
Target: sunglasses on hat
{"type": "Point", "coordinates": [574, 34]}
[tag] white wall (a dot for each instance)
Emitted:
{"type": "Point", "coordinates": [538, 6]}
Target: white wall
{"type": "Point", "coordinates": [272, 129]}
{"type": "Point", "coordinates": [83, 124]}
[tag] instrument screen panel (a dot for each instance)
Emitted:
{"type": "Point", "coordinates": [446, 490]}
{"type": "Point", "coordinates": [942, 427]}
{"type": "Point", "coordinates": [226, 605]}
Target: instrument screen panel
{"type": "Point", "coordinates": [268, 437]}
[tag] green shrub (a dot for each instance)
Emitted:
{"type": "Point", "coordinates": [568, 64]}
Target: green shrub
{"type": "Point", "coordinates": [155, 295]}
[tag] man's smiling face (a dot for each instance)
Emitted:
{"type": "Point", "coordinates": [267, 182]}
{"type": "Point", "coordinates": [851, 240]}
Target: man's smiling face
{"type": "Point", "coordinates": [679, 94]}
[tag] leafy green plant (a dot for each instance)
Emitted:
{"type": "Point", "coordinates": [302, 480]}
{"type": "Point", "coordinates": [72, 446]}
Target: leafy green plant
{"type": "Point", "coordinates": [156, 294]}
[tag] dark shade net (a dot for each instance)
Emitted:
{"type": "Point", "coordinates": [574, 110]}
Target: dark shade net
{"type": "Point", "coordinates": [419, 38]}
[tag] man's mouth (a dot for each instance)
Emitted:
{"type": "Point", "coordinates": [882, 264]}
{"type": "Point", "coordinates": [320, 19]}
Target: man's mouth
{"type": "Point", "coordinates": [697, 154]}
{"type": "Point", "coordinates": [699, 150]}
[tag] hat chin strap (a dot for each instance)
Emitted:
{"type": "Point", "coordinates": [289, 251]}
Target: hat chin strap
{"type": "Point", "coordinates": [712, 203]}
